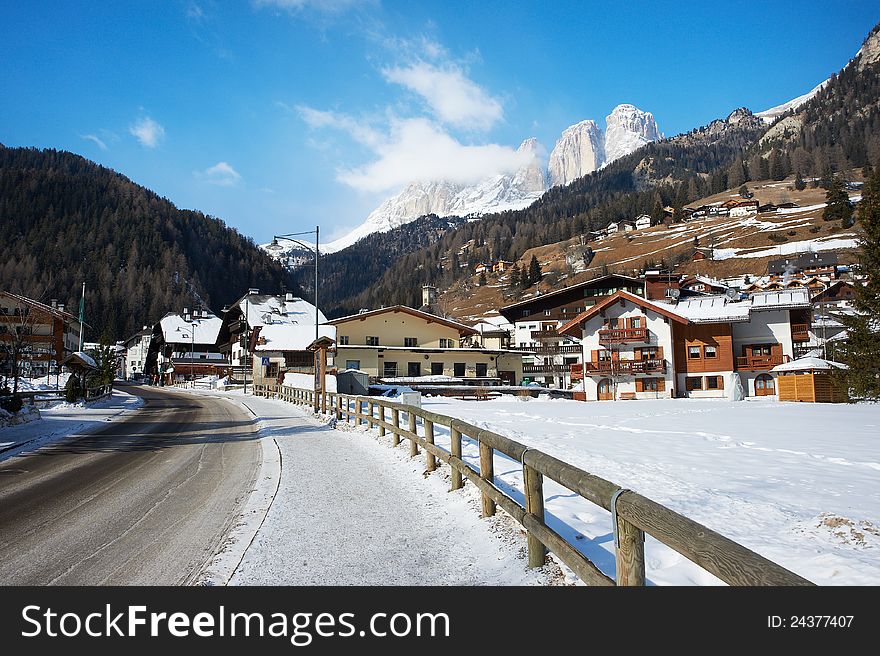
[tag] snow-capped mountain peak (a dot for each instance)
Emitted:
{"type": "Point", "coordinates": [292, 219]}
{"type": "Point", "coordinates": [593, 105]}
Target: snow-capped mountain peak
{"type": "Point", "coordinates": [628, 128]}
{"type": "Point", "coordinates": [770, 115]}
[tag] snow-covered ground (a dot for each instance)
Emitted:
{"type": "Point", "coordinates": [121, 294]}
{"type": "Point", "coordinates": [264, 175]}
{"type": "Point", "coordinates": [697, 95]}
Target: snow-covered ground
{"type": "Point", "coordinates": [63, 420]}
{"type": "Point", "coordinates": [42, 383]}
{"type": "Point", "coordinates": [798, 483]}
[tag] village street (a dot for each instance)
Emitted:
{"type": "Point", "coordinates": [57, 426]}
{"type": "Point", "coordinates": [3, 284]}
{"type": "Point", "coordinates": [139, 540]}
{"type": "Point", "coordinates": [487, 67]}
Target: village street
{"type": "Point", "coordinates": [143, 501]}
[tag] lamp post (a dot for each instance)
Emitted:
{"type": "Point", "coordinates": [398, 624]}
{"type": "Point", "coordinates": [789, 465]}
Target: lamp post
{"type": "Point", "coordinates": [314, 251]}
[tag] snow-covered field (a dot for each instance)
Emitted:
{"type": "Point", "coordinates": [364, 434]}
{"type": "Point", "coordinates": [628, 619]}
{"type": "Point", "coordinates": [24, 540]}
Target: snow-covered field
{"type": "Point", "coordinates": [63, 420]}
{"type": "Point", "coordinates": [798, 483]}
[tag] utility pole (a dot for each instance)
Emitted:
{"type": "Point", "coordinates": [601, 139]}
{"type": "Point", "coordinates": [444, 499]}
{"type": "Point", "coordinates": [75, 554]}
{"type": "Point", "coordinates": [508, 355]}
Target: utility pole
{"type": "Point", "coordinates": [247, 341]}
{"type": "Point", "coordinates": [82, 311]}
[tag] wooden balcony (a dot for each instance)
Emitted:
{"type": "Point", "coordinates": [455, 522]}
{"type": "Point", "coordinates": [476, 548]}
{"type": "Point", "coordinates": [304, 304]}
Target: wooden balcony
{"type": "Point", "coordinates": [546, 334]}
{"type": "Point", "coordinates": [623, 335]}
{"type": "Point", "coordinates": [800, 332]}
{"type": "Point", "coordinates": [551, 349]}
{"type": "Point", "coordinates": [620, 367]}
{"type": "Point", "coordinates": [760, 362]}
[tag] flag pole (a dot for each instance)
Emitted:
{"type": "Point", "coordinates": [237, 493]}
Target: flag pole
{"type": "Point", "coordinates": [82, 310]}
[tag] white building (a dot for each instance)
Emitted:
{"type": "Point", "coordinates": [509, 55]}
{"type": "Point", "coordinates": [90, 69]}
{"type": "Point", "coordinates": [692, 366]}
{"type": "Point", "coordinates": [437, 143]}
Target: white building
{"type": "Point", "coordinates": [643, 222]}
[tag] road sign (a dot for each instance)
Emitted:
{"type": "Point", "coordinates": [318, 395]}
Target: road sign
{"type": "Point", "coordinates": [265, 361]}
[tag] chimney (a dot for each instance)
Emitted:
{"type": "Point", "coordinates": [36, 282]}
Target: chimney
{"type": "Point", "coordinates": [288, 296]}
{"type": "Point", "coordinates": [253, 291]}
{"type": "Point", "coordinates": [61, 306]}
{"type": "Point", "coordinates": [429, 295]}
{"type": "Point", "coordinates": [54, 303]}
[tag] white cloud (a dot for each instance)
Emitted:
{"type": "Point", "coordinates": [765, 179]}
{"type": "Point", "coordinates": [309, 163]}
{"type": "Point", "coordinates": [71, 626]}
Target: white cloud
{"type": "Point", "coordinates": [418, 149]}
{"type": "Point", "coordinates": [148, 132]}
{"type": "Point", "coordinates": [451, 96]}
{"type": "Point", "coordinates": [94, 138]}
{"type": "Point", "coordinates": [359, 130]}
{"type": "Point", "coordinates": [221, 174]}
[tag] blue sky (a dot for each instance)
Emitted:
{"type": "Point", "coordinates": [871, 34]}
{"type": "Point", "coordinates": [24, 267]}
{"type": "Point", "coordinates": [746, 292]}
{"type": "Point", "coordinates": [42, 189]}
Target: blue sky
{"type": "Point", "coordinates": [277, 115]}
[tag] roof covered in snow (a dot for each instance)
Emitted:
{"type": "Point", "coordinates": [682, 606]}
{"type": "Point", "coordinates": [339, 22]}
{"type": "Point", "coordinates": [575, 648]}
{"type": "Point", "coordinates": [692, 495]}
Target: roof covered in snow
{"type": "Point", "coordinates": [803, 364]}
{"type": "Point", "coordinates": [177, 330]}
{"type": "Point", "coordinates": [271, 309]}
{"type": "Point", "coordinates": [291, 337]}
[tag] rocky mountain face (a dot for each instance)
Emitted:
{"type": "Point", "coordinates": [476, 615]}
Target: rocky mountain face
{"type": "Point", "coordinates": [580, 150]}
{"type": "Point", "coordinates": [508, 191]}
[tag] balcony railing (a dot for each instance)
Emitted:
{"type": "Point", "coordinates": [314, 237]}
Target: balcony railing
{"type": "Point", "coordinates": [759, 362]}
{"type": "Point", "coordinates": [800, 332]}
{"type": "Point", "coordinates": [545, 368]}
{"type": "Point", "coordinates": [620, 367]}
{"type": "Point", "coordinates": [546, 334]}
{"type": "Point", "coordinates": [620, 335]}
{"type": "Point", "coordinates": [550, 349]}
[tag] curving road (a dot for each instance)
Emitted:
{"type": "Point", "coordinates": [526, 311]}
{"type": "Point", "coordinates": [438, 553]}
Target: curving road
{"type": "Point", "coordinates": [146, 501]}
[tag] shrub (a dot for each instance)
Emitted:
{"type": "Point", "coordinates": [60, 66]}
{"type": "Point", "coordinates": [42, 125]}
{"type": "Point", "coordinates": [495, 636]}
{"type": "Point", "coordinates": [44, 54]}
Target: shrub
{"type": "Point", "coordinates": [73, 390]}
{"type": "Point", "coordinates": [12, 403]}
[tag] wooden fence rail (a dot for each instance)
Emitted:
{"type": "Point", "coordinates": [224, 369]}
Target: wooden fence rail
{"type": "Point", "coordinates": [633, 515]}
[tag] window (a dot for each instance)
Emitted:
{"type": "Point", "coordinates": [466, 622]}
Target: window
{"type": "Point", "coordinates": [546, 313]}
{"type": "Point", "coordinates": [649, 353]}
{"type": "Point", "coordinates": [458, 369]}
{"type": "Point", "coordinates": [372, 341]}
{"type": "Point", "coordinates": [604, 355]}
{"type": "Point", "coordinates": [525, 313]}
{"type": "Point", "coordinates": [637, 322]}
{"type": "Point", "coordinates": [714, 382]}
{"type": "Point", "coordinates": [389, 369]}
{"type": "Point", "coordinates": [710, 352]}
{"type": "Point", "coordinates": [761, 349]}
{"type": "Point", "coordinates": [343, 340]}
{"type": "Point", "coordinates": [649, 384]}
{"type": "Point", "coordinates": [299, 359]}
{"type": "Point", "coordinates": [612, 324]}
{"type": "Point", "coordinates": [352, 364]}
{"type": "Point", "coordinates": [446, 343]}
{"type": "Point", "coordinates": [413, 369]}
{"type": "Point", "coordinates": [272, 370]}
{"type": "Point", "coordinates": [693, 352]}
{"type": "Point", "coordinates": [693, 383]}
{"type": "Point", "coordinates": [436, 368]}
{"type": "Point", "coordinates": [410, 341]}
{"type": "Point", "coordinates": [482, 370]}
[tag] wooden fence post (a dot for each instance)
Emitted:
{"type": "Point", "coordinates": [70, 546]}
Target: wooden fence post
{"type": "Point", "coordinates": [370, 412]}
{"type": "Point", "coordinates": [629, 549]}
{"type": "Point", "coordinates": [533, 482]}
{"type": "Point", "coordinates": [395, 420]}
{"type": "Point", "coordinates": [413, 445]}
{"type": "Point", "coordinates": [487, 473]}
{"type": "Point", "coordinates": [455, 439]}
{"type": "Point", "coordinates": [381, 409]}
{"type": "Point", "coordinates": [430, 460]}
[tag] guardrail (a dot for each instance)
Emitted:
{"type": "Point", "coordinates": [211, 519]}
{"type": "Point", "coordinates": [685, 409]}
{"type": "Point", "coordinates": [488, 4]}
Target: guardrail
{"type": "Point", "coordinates": [633, 515]}
{"type": "Point", "coordinates": [93, 393]}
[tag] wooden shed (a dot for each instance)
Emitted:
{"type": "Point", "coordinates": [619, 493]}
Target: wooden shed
{"type": "Point", "coordinates": [809, 379]}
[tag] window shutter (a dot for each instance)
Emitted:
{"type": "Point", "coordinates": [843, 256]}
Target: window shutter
{"type": "Point", "coordinates": [595, 356]}
{"type": "Point", "coordinates": [659, 352]}
{"type": "Point", "coordinates": [639, 385]}
{"type": "Point", "coordinates": [720, 382]}
{"type": "Point", "coordinates": [661, 384]}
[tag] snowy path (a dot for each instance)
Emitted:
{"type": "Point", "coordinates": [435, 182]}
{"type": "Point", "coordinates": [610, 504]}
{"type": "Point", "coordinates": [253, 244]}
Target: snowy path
{"type": "Point", "coordinates": [352, 511]}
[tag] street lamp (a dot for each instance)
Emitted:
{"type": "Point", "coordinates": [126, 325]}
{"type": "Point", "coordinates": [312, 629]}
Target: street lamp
{"type": "Point", "coordinates": [314, 251]}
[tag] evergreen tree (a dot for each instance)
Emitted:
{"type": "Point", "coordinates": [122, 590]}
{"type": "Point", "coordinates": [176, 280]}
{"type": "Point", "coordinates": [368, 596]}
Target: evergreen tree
{"type": "Point", "coordinates": [482, 281]}
{"type": "Point", "coordinates": [862, 350]}
{"type": "Point", "coordinates": [736, 174]}
{"type": "Point", "coordinates": [743, 191]}
{"type": "Point", "coordinates": [534, 271]}
{"type": "Point", "coordinates": [799, 183]}
{"type": "Point", "coordinates": [838, 206]}
{"type": "Point", "coordinates": [515, 278]}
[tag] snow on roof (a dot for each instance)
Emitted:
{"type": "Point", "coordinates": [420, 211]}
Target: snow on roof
{"type": "Point", "coordinates": [789, 298]}
{"type": "Point", "coordinates": [176, 330]}
{"type": "Point", "coordinates": [85, 357]}
{"type": "Point", "coordinates": [802, 364]}
{"type": "Point", "coordinates": [269, 309]}
{"type": "Point", "coordinates": [291, 337]}
{"type": "Point", "coordinates": [712, 309]}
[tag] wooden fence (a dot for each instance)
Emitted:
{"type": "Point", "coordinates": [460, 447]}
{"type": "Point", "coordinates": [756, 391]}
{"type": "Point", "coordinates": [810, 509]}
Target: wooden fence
{"type": "Point", "coordinates": [632, 514]}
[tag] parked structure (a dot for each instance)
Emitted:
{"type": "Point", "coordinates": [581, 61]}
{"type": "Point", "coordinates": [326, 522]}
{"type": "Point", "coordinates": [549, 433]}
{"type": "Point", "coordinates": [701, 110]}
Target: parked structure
{"type": "Point", "coordinates": [811, 380]}
{"type": "Point", "coordinates": [401, 342]}
{"type": "Point", "coordinates": [184, 346]}
{"type": "Point", "coordinates": [536, 321]}
{"type": "Point", "coordinates": [268, 335]}
{"type": "Point", "coordinates": [712, 346]}
{"type": "Point", "coordinates": [36, 335]}
{"type": "Point", "coordinates": [137, 348]}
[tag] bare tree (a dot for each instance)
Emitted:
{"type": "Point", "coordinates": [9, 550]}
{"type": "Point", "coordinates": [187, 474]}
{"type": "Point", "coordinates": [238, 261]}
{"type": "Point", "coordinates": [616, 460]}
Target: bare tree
{"type": "Point", "coordinates": [17, 346]}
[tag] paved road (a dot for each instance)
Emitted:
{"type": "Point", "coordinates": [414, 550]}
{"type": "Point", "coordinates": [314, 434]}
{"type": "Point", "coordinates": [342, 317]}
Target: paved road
{"type": "Point", "coordinates": [144, 501]}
